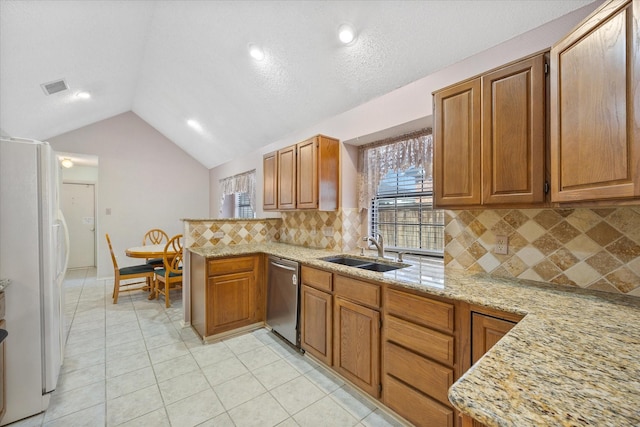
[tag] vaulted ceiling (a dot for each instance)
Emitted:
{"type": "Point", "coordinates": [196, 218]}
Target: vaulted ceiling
{"type": "Point", "coordinates": [172, 61]}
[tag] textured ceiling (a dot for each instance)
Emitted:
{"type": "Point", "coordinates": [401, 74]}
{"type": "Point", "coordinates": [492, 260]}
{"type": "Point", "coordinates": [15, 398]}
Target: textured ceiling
{"type": "Point", "coordinates": [169, 61]}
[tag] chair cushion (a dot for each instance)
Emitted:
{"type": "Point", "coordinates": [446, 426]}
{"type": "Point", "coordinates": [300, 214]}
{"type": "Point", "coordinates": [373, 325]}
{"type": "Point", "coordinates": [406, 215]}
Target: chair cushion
{"type": "Point", "coordinates": [135, 269]}
{"type": "Point", "coordinates": [162, 272]}
{"type": "Point", "coordinates": [155, 261]}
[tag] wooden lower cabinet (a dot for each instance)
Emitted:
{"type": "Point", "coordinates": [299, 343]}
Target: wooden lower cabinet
{"type": "Point", "coordinates": [356, 344]}
{"type": "Point", "coordinates": [231, 301]}
{"type": "Point", "coordinates": [415, 406]}
{"type": "Point", "coordinates": [419, 359]}
{"type": "Point", "coordinates": [226, 293]}
{"type": "Point", "coordinates": [486, 331]}
{"type": "Point", "coordinates": [316, 323]}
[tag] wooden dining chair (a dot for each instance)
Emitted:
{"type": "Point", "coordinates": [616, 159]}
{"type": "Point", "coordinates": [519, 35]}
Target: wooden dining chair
{"type": "Point", "coordinates": [171, 273]}
{"type": "Point", "coordinates": [143, 271]}
{"type": "Point", "coordinates": [154, 236]}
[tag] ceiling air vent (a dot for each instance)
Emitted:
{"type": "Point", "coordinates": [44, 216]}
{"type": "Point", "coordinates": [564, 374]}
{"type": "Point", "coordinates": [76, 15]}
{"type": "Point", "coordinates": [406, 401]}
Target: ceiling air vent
{"type": "Point", "coordinates": [54, 87]}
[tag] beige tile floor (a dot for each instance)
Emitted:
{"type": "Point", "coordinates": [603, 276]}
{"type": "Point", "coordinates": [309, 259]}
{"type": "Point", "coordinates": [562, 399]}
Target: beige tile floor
{"type": "Point", "coordinates": [132, 364]}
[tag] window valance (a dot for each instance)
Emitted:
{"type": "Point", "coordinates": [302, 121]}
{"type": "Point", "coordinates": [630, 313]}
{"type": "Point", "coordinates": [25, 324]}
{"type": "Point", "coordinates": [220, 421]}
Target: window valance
{"type": "Point", "coordinates": [395, 154]}
{"type": "Point", "coordinates": [241, 183]}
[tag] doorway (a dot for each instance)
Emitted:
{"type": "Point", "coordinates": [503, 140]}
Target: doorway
{"type": "Point", "coordinates": [78, 207]}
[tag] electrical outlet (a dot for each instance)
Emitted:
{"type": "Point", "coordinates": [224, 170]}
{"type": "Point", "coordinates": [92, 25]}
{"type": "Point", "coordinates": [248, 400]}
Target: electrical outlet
{"type": "Point", "coordinates": [218, 235]}
{"type": "Point", "coordinates": [502, 245]}
{"type": "Point", "coordinates": [327, 231]}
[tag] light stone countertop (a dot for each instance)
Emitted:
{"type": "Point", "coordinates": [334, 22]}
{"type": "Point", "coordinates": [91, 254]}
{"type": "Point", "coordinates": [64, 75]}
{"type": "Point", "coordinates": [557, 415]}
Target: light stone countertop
{"type": "Point", "coordinates": [574, 360]}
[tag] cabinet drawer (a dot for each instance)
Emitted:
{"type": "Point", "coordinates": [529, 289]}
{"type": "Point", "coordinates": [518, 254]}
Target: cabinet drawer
{"type": "Point", "coordinates": [424, 311]}
{"type": "Point", "coordinates": [318, 279]}
{"type": "Point", "coordinates": [430, 343]}
{"type": "Point", "coordinates": [429, 377]}
{"type": "Point", "coordinates": [231, 265]}
{"type": "Point", "coordinates": [357, 290]}
{"type": "Point", "coordinates": [415, 406]}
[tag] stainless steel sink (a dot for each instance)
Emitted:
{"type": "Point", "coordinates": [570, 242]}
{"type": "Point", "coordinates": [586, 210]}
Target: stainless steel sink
{"type": "Point", "coordinates": [363, 263]}
{"type": "Point", "coordinates": [344, 260]}
{"type": "Point", "coordinates": [376, 266]}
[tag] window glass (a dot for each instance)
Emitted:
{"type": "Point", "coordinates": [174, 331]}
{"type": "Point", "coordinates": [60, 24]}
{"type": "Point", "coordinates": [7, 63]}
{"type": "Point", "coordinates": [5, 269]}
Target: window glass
{"type": "Point", "coordinates": [243, 206]}
{"type": "Point", "coordinates": [402, 211]}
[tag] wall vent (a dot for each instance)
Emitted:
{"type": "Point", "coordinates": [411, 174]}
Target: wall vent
{"type": "Point", "coordinates": [54, 87]}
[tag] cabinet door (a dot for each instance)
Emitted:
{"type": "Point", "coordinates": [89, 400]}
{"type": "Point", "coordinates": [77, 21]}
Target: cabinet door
{"type": "Point", "coordinates": [356, 340]}
{"type": "Point", "coordinates": [457, 134]}
{"type": "Point", "coordinates": [316, 323]}
{"type": "Point", "coordinates": [231, 302]}
{"type": "Point", "coordinates": [287, 178]}
{"type": "Point", "coordinates": [307, 174]}
{"type": "Point", "coordinates": [595, 107]}
{"type": "Point", "coordinates": [270, 182]}
{"type": "Point", "coordinates": [486, 331]}
{"type": "Point", "coordinates": [513, 139]}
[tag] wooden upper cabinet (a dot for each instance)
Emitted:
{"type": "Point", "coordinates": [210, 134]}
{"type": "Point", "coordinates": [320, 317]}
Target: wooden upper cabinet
{"type": "Point", "coordinates": [457, 133]}
{"type": "Point", "coordinates": [287, 178]}
{"type": "Point", "coordinates": [318, 173]}
{"type": "Point", "coordinates": [513, 140]}
{"type": "Point", "coordinates": [270, 182]}
{"type": "Point", "coordinates": [489, 137]}
{"type": "Point", "coordinates": [303, 176]}
{"type": "Point", "coordinates": [595, 107]}
{"type": "Point", "coordinates": [307, 174]}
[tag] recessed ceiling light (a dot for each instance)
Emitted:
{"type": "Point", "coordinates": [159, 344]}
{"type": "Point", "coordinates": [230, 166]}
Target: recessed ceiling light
{"type": "Point", "coordinates": [83, 95]}
{"type": "Point", "coordinates": [346, 33]}
{"type": "Point", "coordinates": [195, 125]}
{"type": "Point", "coordinates": [67, 163]}
{"type": "Point", "coordinates": [256, 52]}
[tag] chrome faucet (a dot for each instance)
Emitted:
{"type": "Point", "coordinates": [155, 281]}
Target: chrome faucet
{"type": "Point", "coordinates": [379, 243]}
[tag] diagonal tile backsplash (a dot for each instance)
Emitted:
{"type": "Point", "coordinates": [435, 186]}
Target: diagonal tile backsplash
{"type": "Point", "coordinates": [336, 230]}
{"type": "Point", "coordinates": [590, 248]}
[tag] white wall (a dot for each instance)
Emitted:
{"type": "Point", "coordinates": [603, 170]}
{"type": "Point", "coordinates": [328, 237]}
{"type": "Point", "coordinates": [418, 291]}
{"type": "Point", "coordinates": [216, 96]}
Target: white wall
{"type": "Point", "coordinates": [84, 174]}
{"type": "Point", "coordinates": [145, 179]}
{"type": "Point", "coordinates": [410, 103]}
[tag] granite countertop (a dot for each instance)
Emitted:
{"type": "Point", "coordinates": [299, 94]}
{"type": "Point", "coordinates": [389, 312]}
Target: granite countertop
{"type": "Point", "coordinates": [574, 360]}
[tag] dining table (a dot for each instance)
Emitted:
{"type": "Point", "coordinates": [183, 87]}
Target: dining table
{"type": "Point", "coordinates": [149, 251]}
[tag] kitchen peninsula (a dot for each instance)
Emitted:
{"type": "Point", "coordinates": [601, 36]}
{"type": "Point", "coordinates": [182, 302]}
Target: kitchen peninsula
{"type": "Point", "coordinates": [572, 359]}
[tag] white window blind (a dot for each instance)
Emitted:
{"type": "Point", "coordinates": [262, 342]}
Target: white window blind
{"type": "Point", "coordinates": [402, 211]}
{"type": "Point", "coordinates": [243, 206]}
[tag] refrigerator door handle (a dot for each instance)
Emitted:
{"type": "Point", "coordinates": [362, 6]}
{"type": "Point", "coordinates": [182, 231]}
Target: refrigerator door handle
{"type": "Point", "coordinates": [66, 240]}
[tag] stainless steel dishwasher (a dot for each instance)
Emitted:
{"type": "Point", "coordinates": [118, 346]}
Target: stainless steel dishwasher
{"type": "Point", "coordinates": [283, 296]}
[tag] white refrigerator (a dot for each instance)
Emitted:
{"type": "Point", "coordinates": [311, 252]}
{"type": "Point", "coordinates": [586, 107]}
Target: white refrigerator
{"type": "Point", "coordinates": [33, 256]}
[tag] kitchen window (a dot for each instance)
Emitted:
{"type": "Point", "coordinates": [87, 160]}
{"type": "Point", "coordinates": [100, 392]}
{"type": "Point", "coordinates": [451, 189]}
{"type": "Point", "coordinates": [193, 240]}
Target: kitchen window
{"type": "Point", "coordinates": [238, 195]}
{"type": "Point", "coordinates": [396, 186]}
{"type": "Point", "coordinates": [243, 206]}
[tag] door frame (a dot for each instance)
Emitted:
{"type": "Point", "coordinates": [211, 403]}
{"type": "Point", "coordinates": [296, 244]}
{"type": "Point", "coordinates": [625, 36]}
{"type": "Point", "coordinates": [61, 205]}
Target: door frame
{"type": "Point", "coordinates": [95, 212]}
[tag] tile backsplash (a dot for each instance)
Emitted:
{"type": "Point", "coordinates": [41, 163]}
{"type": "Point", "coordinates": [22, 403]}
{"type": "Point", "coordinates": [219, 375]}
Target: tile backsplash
{"type": "Point", "coordinates": [208, 233]}
{"type": "Point", "coordinates": [595, 248]}
{"type": "Point", "coordinates": [337, 230]}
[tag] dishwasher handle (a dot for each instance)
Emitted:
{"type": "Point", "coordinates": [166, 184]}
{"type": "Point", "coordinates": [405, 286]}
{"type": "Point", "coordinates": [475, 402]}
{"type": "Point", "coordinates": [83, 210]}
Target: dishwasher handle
{"type": "Point", "coordinates": [286, 267]}
{"type": "Point", "coordinates": [292, 268]}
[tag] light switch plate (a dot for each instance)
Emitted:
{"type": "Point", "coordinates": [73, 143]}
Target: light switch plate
{"type": "Point", "coordinates": [218, 235]}
{"type": "Point", "coordinates": [502, 245]}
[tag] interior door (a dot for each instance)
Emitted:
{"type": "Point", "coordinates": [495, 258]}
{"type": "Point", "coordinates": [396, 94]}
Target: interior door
{"type": "Point", "coordinates": [78, 207]}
